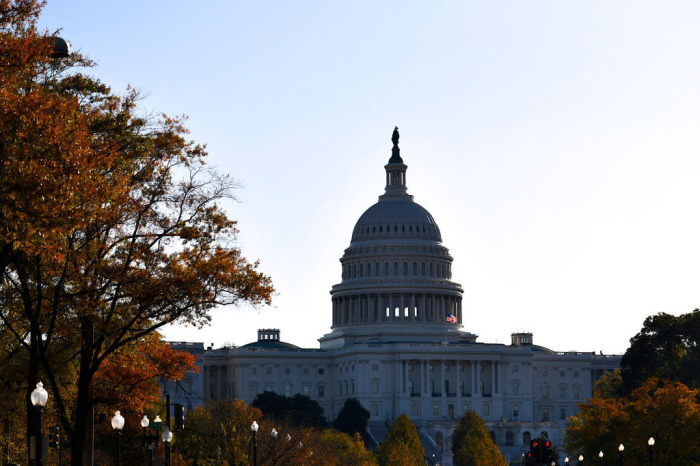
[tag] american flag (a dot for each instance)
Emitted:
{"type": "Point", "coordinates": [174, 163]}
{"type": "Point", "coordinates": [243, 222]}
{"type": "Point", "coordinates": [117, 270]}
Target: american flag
{"type": "Point", "coordinates": [452, 319]}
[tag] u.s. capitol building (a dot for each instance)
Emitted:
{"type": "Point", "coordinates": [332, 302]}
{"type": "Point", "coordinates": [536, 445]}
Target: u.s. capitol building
{"type": "Point", "coordinates": [398, 344]}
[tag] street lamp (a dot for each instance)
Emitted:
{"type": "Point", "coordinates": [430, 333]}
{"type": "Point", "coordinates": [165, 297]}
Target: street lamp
{"type": "Point", "coordinates": [621, 449]}
{"type": "Point", "coordinates": [273, 434]}
{"type": "Point", "coordinates": [167, 437]}
{"type": "Point", "coordinates": [600, 455]}
{"type": "Point", "coordinates": [150, 441]}
{"type": "Point", "coordinates": [651, 443]}
{"type": "Point", "coordinates": [580, 459]}
{"type": "Point", "coordinates": [566, 460]}
{"type": "Point", "coordinates": [38, 398]}
{"type": "Point", "coordinates": [118, 425]}
{"type": "Point", "coordinates": [254, 427]}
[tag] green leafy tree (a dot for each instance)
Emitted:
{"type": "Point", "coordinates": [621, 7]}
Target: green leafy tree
{"type": "Point", "coordinates": [352, 418]}
{"type": "Point", "coordinates": [218, 433]}
{"type": "Point", "coordinates": [472, 444]}
{"type": "Point", "coordinates": [667, 347]}
{"type": "Point", "coordinates": [299, 410]}
{"type": "Point", "coordinates": [402, 444]}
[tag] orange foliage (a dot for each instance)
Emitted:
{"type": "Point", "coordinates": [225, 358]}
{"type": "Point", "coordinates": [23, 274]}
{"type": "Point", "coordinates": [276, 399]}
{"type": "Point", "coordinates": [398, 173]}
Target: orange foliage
{"type": "Point", "coordinates": [128, 379]}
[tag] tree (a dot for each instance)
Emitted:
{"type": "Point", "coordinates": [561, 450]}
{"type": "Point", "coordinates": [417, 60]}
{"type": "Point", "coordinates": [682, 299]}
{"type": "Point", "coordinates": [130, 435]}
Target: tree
{"type": "Point", "coordinates": [667, 347]}
{"type": "Point", "coordinates": [472, 444]}
{"type": "Point", "coordinates": [401, 445]}
{"type": "Point", "coordinates": [299, 410]}
{"type": "Point", "coordinates": [667, 411]}
{"type": "Point", "coordinates": [352, 418]}
{"type": "Point", "coordinates": [340, 449]}
{"type": "Point", "coordinates": [218, 433]}
{"type": "Point", "coordinates": [111, 225]}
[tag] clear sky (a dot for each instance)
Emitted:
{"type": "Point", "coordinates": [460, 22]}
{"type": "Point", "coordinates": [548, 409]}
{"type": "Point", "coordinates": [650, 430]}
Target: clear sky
{"type": "Point", "coordinates": [556, 143]}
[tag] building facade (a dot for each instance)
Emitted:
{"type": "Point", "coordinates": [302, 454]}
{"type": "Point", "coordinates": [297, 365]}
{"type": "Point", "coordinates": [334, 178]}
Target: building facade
{"type": "Point", "coordinates": [398, 344]}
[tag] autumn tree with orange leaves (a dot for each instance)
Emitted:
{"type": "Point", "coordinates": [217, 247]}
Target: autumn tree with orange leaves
{"type": "Point", "coordinates": [110, 224]}
{"type": "Point", "coordinates": [667, 411]}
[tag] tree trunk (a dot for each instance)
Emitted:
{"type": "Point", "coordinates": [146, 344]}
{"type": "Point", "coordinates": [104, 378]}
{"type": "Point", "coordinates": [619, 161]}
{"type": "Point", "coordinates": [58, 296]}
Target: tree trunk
{"type": "Point", "coordinates": [81, 443]}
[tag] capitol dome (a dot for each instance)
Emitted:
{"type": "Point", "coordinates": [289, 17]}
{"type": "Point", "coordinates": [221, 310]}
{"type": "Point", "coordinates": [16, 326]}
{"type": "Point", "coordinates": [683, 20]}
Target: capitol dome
{"type": "Point", "coordinates": [396, 218]}
{"type": "Point", "coordinates": [396, 273]}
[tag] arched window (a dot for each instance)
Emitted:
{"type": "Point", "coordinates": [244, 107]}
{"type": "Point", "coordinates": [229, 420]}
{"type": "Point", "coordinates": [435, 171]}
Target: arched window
{"type": "Point", "coordinates": [544, 434]}
{"type": "Point", "coordinates": [526, 438]}
{"type": "Point", "coordinates": [510, 439]}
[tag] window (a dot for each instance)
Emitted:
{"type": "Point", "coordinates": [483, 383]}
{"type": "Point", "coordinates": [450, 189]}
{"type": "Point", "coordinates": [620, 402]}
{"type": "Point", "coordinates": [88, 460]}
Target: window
{"type": "Point", "coordinates": [562, 414]}
{"type": "Point", "coordinates": [415, 268]}
{"type": "Point", "coordinates": [432, 386]}
{"type": "Point", "coordinates": [386, 268]}
{"type": "Point", "coordinates": [510, 439]}
{"type": "Point", "coordinates": [527, 436]}
{"type": "Point", "coordinates": [253, 390]}
{"type": "Point", "coordinates": [376, 269]}
{"type": "Point", "coordinates": [375, 367]}
{"type": "Point", "coordinates": [487, 409]}
{"type": "Point", "coordinates": [515, 388]}
{"type": "Point", "coordinates": [562, 373]}
{"type": "Point", "coordinates": [287, 388]}
{"type": "Point", "coordinates": [516, 368]}
{"type": "Point", "coordinates": [268, 371]}
{"type": "Point", "coordinates": [321, 391]}
{"type": "Point", "coordinates": [451, 410]}
{"type": "Point", "coordinates": [562, 392]}
{"type": "Point", "coordinates": [305, 390]}
{"type": "Point", "coordinates": [396, 268]}
{"type": "Point", "coordinates": [545, 390]}
{"type": "Point", "coordinates": [375, 409]}
{"type": "Point", "coordinates": [375, 387]}
{"type": "Point", "coordinates": [575, 373]}
{"type": "Point", "coordinates": [287, 371]}
{"type": "Point", "coordinates": [414, 409]}
{"type": "Point", "coordinates": [410, 386]}
{"type": "Point", "coordinates": [306, 371]}
{"type": "Point", "coordinates": [320, 371]}
{"type": "Point", "coordinates": [577, 393]}
{"type": "Point", "coordinates": [352, 385]}
{"type": "Point", "coordinates": [405, 268]}
{"type": "Point", "coordinates": [436, 409]}
{"type": "Point", "coordinates": [253, 370]}
{"type": "Point", "coordinates": [545, 374]}
{"type": "Point", "coordinates": [545, 414]}
{"type": "Point", "coordinates": [268, 387]}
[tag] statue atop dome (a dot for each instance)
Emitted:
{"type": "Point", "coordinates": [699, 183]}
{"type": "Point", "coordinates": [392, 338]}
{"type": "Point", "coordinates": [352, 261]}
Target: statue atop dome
{"type": "Point", "coordinates": [395, 152]}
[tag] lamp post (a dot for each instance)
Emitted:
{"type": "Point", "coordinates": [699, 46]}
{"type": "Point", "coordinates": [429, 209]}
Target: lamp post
{"type": "Point", "coordinates": [651, 443]}
{"type": "Point", "coordinates": [167, 437]}
{"type": "Point", "coordinates": [254, 427]}
{"type": "Point", "coordinates": [566, 460]}
{"type": "Point", "coordinates": [580, 459]}
{"type": "Point", "coordinates": [150, 441]}
{"type": "Point", "coordinates": [273, 434]}
{"type": "Point", "coordinates": [38, 398]}
{"type": "Point", "coordinates": [600, 455]}
{"type": "Point", "coordinates": [118, 425]}
{"type": "Point", "coordinates": [621, 449]}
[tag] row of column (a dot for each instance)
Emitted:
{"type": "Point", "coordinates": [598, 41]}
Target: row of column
{"type": "Point", "coordinates": [396, 307]}
{"type": "Point", "coordinates": [422, 380]}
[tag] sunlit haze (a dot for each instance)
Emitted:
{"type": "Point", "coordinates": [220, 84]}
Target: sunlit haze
{"type": "Point", "coordinates": [555, 143]}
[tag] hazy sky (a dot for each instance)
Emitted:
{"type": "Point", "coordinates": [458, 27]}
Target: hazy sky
{"type": "Point", "coordinates": [556, 143]}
